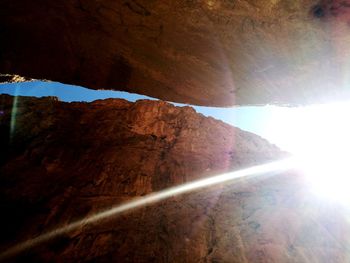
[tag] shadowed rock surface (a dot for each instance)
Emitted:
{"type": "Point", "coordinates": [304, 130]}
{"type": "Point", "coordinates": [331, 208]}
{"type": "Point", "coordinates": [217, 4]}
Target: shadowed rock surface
{"type": "Point", "coordinates": [64, 161]}
{"type": "Point", "coordinates": [210, 52]}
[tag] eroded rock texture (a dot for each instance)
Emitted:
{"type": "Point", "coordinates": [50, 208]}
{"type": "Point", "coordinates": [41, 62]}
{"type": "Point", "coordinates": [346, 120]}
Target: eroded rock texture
{"type": "Point", "coordinates": [64, 161]}
{"type": "Point", "coordinates": [210, 52]}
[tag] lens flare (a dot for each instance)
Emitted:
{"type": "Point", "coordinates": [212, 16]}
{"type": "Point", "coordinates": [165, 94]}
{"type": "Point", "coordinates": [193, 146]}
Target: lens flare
{"type": "Point", "coordinates": [13, 116]}
{"type": "Point", "coordinates": [319, 137]}
{"type": "Point", "coordinates": [277, 166]}
{"type": "Point", "coordinates": [329, 175]}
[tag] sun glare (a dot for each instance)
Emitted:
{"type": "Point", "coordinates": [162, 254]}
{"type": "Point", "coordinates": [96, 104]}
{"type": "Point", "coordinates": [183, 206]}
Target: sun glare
{"type": "Point", "coordinates": [322, 144]}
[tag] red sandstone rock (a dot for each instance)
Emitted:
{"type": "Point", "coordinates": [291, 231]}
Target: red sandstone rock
{"type": "Point", "coordinates": [64, 161]}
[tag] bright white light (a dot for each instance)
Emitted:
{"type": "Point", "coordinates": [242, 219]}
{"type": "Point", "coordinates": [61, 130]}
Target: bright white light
{"type": "Point", "coordinates": [329, 176]}
{"type": "Point", "coordinates": [320, 137]}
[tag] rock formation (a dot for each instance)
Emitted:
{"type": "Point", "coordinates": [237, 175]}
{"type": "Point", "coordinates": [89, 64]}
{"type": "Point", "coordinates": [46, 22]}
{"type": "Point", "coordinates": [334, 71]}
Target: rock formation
{"type": "Point", "coordinates": [63, 161]}
{"type": "Point", "coordinates": [210, 52]}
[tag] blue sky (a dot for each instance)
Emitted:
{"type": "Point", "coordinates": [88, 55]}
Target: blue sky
{"type": "Point", "coordinates": [280, 125]}
{"type": "Point", "coordinates": [247, 118]}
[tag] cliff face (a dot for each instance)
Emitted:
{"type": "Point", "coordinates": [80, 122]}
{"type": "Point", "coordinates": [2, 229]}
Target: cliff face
{"type": "Point", "coordinates": [212, 52]}
{"type": "Point", "coordinates": [64, 161]}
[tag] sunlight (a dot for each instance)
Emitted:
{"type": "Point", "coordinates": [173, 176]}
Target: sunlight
{"type": "Point", "coordinates": [321, 142]}
{"type": "Point", "coordinates": [329, 176]}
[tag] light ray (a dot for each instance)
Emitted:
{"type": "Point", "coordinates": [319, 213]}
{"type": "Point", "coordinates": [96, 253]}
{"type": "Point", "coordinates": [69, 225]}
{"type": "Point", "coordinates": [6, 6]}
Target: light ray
{"type": "Point", "coordinates": [282, 165]}
{"type": "Point", "coordinates": [13, 116]}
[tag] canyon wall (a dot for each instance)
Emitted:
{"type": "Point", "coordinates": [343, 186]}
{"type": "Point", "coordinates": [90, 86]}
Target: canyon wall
{"type": "Point", "coordinates": [64, 161]}
{"type": "Point", "coordinates": [210, 52]}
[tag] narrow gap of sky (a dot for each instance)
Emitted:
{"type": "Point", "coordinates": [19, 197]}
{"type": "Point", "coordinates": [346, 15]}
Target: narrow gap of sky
{"type": "Point", "coordinates": [270, 122]}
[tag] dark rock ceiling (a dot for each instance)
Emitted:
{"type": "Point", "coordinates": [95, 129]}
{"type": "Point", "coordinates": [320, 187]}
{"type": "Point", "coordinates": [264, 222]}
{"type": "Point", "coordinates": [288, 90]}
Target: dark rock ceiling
{"type": "Point", "coordinates": [213, 52]}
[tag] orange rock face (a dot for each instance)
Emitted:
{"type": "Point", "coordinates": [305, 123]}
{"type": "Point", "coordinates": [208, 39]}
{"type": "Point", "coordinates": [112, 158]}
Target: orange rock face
{"type": "Point", "coordinates": [64, 161]}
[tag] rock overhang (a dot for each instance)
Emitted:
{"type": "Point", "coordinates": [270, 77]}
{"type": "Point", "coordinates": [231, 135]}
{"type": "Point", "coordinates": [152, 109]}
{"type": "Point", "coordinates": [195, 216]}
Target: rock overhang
{"type": "Point", "coordinates": [213, 53]}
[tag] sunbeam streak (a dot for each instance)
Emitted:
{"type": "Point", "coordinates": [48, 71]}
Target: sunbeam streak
{"type": "Point", "coordinates": [282, 165]}
{"type": "Point", "coordinates": [13, 117]}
